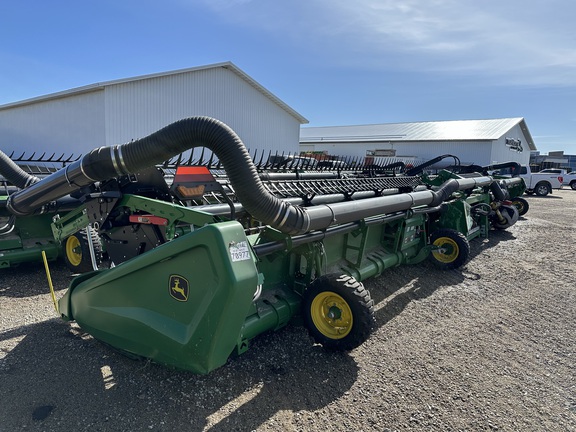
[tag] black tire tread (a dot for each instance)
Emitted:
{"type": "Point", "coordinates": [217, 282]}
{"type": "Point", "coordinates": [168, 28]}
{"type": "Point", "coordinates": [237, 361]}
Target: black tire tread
{"type": "Point", "coordinates": [525, 206]}
{"type": "Point", "coordinates": [536, 188]}
{"type": "Point", "coordinates": [506, 208]}
{"type": "Point", "coordinates": [360, 302]}
{"type": "Point", "coordinates": [463, 247]}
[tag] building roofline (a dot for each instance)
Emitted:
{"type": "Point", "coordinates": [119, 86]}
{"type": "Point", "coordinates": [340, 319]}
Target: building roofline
{"type": "Point", "coordinates": [527, 134]}
{"type": "Point", "coordinates": [57, 95]}
{"type": "Point", "coordinates": [102, 85]}
{"type": "Point", "coordinates": [403, 137]}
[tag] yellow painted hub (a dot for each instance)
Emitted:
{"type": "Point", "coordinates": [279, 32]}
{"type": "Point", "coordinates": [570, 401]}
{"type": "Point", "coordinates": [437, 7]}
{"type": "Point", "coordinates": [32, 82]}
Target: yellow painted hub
{"type": "Point", "coordinates": [73, 250]}
{"type": "Point", "coordinates": [519, 205]}
{"type": "Point", "coordinates": [331, 315]}
{"type": "Point", "coordinates": [449, 252]}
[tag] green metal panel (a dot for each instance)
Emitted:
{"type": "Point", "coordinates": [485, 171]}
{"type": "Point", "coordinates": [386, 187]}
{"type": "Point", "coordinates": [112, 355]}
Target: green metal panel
{"type": "Point", "coordinates": [65, 226]}
{"type": "Point", "coordinates": [183, 303]}
{"type": "Point", "coordinates": [30, 236]}
{"type": "Point", "coordinates": [10, 258]}
{"type": "Point", "coordinates": [517, 189]}
{"type": "Point", "coordinates": [457, 215]}
{"type": "Point", "coordinates": [10, 241]}
{"type": "Point", "coordinates": [362, 253]}
{"type": "Point", "coordinates": [34, 227]}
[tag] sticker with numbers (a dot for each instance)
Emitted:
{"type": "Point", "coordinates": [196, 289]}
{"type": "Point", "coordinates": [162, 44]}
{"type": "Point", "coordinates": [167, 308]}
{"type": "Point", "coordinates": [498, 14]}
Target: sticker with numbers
{"type": "Point", "coordinates": [239, 251]}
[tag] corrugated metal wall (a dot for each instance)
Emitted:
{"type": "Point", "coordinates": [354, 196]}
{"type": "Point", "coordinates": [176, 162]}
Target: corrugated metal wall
{"type": "Point", "coordinates": [119, 112]}
{"type": "Point", "coordinates": [73, 124]}
{"type": "Point", "coordinates": [137, 108]}
{"type": "Point", "coordinates": [466, 151]}
{"type": "Point", "coordinates": [477, 152]}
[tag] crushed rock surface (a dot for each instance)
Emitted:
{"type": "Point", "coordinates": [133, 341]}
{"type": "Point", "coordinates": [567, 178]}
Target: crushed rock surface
{"type": "Point", "coordinates": [488, 347]}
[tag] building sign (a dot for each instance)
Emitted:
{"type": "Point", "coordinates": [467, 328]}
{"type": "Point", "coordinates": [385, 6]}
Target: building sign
{"type": "Point", "coordinates": [381, 152]}
{"type": "Point", "coordinates": [514, 145]}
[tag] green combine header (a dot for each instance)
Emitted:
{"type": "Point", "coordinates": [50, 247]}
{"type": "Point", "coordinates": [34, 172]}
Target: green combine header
{"type": "Point", "coordinates": [202, 264]}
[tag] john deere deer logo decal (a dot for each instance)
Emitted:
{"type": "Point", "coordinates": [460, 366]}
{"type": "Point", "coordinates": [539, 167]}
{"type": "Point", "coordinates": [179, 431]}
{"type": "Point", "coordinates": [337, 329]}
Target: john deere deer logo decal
{"type": "Point", "coordinates": [179, 288]}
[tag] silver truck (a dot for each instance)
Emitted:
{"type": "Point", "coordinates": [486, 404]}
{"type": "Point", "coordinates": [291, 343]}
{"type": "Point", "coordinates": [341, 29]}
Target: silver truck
{"type": "Point", "coordinates": [569, 179]}
{"type": "Point", "coordinates": [539, 183]}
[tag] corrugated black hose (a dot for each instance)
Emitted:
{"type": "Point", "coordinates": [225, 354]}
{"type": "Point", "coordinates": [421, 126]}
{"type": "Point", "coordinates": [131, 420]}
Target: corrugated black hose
{"type": "Point", "coordinates": [108, 162]}
{"type": "Point", "coordinates": [14, 174]}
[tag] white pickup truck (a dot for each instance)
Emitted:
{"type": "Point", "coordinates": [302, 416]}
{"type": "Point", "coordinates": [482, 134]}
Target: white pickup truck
{"type": "Point", "coordinates": [539, 183]}
{"type": "Point", "coordinates": [569, 179]}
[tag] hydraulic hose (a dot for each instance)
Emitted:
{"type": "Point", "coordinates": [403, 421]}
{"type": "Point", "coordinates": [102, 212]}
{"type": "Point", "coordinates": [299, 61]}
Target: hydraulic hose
{"type": "Point", "coordinates": [108, 162]}
{"type": "Point", "coordinates": [420, 168]}
{"type": "Point", "coordinates": [499, 193]}
{"type": "Point", "coordinates": [14, 174]}
{"type": "Point", "coordinates": [515, 167]}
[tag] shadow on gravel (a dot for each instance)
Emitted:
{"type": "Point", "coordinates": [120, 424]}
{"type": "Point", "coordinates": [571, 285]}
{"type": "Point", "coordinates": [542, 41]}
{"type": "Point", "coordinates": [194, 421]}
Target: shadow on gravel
{"type": "Point", "coordinates": [56, 377]}
{"type": "Point", "coordinates": [29, 279]}
{"type": "Point", "coordinates": [397, 287]}
{"type": "Point", "coordinates": [542, 197]}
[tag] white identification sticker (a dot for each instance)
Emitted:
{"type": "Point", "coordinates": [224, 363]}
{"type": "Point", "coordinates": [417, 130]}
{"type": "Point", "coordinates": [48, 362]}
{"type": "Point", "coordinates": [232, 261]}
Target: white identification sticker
{"type": "Point", "coordinates": [239, 251]}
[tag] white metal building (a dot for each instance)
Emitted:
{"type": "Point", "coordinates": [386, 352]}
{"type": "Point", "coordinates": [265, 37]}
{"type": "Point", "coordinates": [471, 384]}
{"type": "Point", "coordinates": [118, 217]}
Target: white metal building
{"type": "Point", "coordinates": [114, 112]}
{"type": "Point", "coordinates": [481, 142]}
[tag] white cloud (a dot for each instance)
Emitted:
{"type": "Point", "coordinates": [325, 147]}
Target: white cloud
{"type": "Point", "coordinates": [509, 41]}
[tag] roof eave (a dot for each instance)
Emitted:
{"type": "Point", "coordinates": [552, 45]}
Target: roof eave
{"type": "Point", "coordinates": [527, 134]}
{"type": "Point", "coordinates": [231, 66]}
{"type": "Point", "coordinates": [52, 96]}
{"type": "Point", "coordinates": [100, 86]}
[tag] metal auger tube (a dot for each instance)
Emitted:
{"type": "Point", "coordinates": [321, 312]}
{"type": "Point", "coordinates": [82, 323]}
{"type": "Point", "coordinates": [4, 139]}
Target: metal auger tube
{"type": "Point", "coordinates": [108, 162]}
{"type": "Point", "coordinates": [323, 216]}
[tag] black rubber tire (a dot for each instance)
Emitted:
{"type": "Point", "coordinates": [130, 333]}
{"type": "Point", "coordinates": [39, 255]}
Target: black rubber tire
{"type": "Point", "coordinates": [338, 312]}
{"type": "Point", "coordinates": [457, 249]}
{"type": "Point", "coordinates": [77, 251]}
{"type": "Point", "coordinates": [510, 213]}
{"type": "Point", "coordinates": [521, 204]}
{"type": "Point", "coordinates": [573, 184]}
{"type": "Point", "coordinates": [542, 189]}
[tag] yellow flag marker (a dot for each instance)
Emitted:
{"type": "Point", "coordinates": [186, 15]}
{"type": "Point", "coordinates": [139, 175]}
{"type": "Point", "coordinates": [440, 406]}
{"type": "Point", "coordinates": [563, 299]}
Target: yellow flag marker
{"type": "Point", "coordinates": [50, 282]}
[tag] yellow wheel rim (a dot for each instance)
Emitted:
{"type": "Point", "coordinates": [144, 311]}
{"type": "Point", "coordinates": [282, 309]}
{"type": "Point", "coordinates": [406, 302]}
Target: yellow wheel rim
{"type": "Point", "coordinates": [73, 251]}
{"type": "Point", "coordinates": [331, 315]}
{"type": "Point", "coordinates": [449, 252]}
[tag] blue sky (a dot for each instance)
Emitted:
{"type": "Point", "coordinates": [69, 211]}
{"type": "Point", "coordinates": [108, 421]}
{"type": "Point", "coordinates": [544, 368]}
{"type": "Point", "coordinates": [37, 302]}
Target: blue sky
{"type": "Point", "coordinates": [336, 62]}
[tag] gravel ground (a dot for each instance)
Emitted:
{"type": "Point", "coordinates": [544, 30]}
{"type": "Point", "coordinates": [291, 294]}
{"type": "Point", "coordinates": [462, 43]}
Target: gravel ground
{"type": "Point", "coordinates": [490, 346]}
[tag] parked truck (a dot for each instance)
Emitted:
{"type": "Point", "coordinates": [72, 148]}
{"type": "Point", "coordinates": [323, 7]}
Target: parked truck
{"type": "Point", "coordinates": [539, 183]}
{"type": "Point", "coordinates": [569, 178]}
